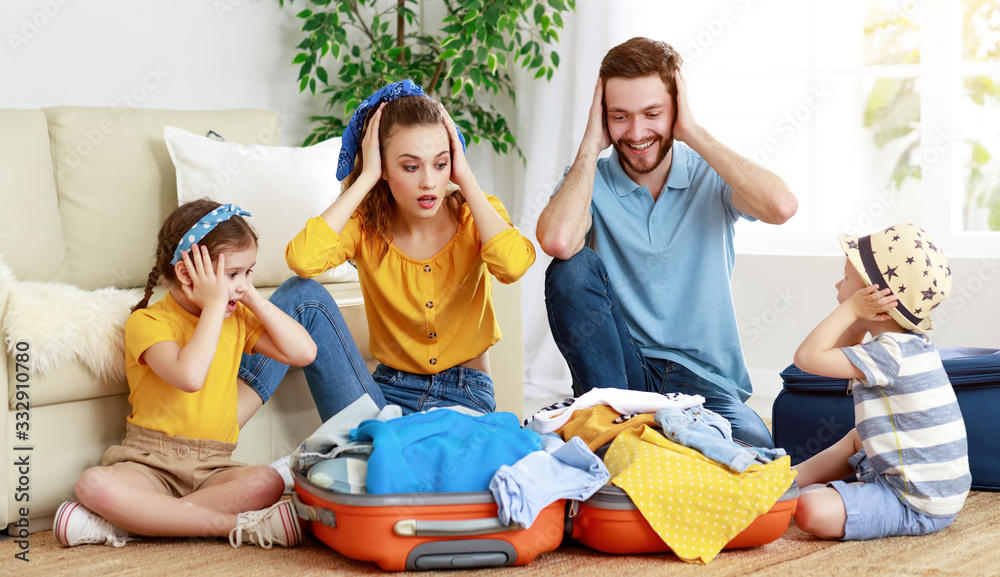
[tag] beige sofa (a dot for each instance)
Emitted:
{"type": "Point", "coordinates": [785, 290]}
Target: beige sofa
{"type": "Point", "coordinates": [82, 193]}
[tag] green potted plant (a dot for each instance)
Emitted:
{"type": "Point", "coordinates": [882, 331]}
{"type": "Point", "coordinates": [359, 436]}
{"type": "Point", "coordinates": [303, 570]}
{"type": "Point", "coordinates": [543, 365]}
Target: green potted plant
{"type": "Point", "coordinates": [465, 60]}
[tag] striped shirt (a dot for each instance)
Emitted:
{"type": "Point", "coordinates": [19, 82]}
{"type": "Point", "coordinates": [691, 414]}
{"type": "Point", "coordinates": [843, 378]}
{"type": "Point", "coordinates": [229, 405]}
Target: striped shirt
{"type": "Point", "coordinates": [910, 423]}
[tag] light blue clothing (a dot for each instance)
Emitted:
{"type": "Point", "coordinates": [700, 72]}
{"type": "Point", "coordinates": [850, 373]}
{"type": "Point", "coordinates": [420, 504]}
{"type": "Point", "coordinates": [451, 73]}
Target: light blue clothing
{"type": "Point", "coordinates": [909, 421]}
{"type": "Point", "coordinates": [710, 434]}
{"type": "Point", "coordinates": [334, 436]}
{"type": "Point", "coordinates": [671, 263]}
{"type": "Point", "coordinates": [563, 470]}
{"type": "Point", "coordinates": [442, 450]}
{"type": "Point", "coordinates": [875, 511]}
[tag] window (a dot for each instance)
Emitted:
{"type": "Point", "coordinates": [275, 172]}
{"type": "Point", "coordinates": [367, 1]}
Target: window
{"type": "Point", "coordinates": [875, 111]}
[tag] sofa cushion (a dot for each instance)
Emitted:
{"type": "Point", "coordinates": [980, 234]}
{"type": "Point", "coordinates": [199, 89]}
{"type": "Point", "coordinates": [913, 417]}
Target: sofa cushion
{"type": "Point", "coordinates": [282, 187]}
{"type": "Point", "coordinates": [115, 182]}
{"type": "Point", "coordinates": [31, 232]}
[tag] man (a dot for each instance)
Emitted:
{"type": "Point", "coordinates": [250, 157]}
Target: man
{"type": "Point", "coordinates": [647, 303]}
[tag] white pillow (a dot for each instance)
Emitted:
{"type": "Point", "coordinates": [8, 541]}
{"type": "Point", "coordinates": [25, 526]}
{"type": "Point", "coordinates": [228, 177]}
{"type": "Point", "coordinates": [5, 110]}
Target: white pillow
{"type": "Point", "coordinates": [281, 186]}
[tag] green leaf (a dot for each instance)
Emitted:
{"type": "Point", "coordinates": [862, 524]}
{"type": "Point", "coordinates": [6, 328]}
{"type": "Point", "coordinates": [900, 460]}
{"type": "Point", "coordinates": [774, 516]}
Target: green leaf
{"type": "Point", "coordinates": [447, 54]}
{"type": "Point", "coordinates": [558, 4]}
{"type": "Point", "coordinates": [456, 87]}
{"type": "Point", "coordinates": [539, 11]}
{"type": "Point", "coordinates": [468, 56]}
{"type": "Point", "coordinates": [557, 19]}
{"type": "Point", "coordinates": [491, 61]}
{"type": "Point", "coordinates": [469, 18]}
{"type": "Point", "coordinates": [299, 58]}
{"type": "Point", "coordinates": [304, 14]}
{"type": "Point", "coordinates": [356, 51]}
{"type": "Point", "coordinates": [321, 74]}
{"type": "Point", "coordinates": [540, 73]}
{"type": "Point", "coordinates": [469, 92]}
{"type": "Point", "coordinates": [980, 155]}
{"type": "Point", "coordinates": [554, 56]}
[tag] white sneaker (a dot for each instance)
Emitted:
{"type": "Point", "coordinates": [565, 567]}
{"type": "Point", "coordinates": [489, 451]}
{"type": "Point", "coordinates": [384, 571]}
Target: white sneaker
{"type": "Point", "coordinates": [77, 525]}
{"type": "Point", "coordinates": [282, 467]}
{"type": "Point", "coordinates": [276, 525]}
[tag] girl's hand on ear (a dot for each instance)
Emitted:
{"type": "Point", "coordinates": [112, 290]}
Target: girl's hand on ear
{"type": "Point", "coordinates": [461, 174]}
{"type": "Point", "coordinates": [371, 171]}
{"type": "Point", "coordinates": [203, 285]}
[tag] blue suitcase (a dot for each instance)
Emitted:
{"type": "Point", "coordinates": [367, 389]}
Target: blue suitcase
{"type": "Point", "coordinates": [813, 412]}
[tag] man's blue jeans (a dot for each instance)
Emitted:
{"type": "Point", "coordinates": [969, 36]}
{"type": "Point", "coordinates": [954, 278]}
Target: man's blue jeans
{"type": "Point", "coordinates": [338, 376]}
{"type": "Point", "coordinates": [588, 329]}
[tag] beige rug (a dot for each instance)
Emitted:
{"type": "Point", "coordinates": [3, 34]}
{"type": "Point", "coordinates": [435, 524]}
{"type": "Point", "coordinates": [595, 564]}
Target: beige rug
{"type": "Point", "coordinates": [970, 547]}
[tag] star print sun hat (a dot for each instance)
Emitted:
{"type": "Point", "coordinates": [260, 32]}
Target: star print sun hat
{"type": "Point", "coordinates": [905, 259]}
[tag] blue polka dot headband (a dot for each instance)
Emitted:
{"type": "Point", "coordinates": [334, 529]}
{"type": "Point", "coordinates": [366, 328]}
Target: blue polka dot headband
{"type": "Point", "coordinates": [205, 226]}
{"type": "Point", "coordinates": [351, 139]}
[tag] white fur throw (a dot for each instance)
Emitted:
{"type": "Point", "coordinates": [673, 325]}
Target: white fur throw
{"type": "Point", "coordinates": [64, 323]}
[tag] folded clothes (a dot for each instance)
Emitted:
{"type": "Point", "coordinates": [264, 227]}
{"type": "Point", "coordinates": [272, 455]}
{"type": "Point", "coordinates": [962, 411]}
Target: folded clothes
{"type": "Point", "coordinates": [624, 401]}
{"type": "Point", "coordinates": [712, 435]}
{"type": "Point", "coordinates": [442, 450]}
{"type": "Point", "coordinates": [333, 437]}
{"type": "Point", "coordinates": [563, 470]}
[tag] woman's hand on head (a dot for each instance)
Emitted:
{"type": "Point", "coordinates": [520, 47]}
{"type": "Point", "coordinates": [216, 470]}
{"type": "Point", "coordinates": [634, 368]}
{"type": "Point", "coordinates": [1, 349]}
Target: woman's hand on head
{"type": "Point", "coordinates": [204, 285]}
{"type": "Point", "coordinates": [371, 170]}
{"type": "Point", "coordinates": [461, 174]}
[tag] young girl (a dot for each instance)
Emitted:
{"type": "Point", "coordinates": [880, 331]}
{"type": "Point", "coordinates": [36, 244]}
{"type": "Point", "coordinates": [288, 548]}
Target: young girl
{"type": "Point", "coordinates": [424, 250]}
{"type": "Point", "coordinates": [173, 476]}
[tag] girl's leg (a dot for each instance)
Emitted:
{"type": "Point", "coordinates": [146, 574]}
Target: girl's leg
{"type": "Point", "coordinates": [338, 376]}
{"type": "Point", "coordinates": [129, 499]}
{"type": "Point", "coordinates": [830, 464]}
{"type": "Point", "coordinates": [239, 490]}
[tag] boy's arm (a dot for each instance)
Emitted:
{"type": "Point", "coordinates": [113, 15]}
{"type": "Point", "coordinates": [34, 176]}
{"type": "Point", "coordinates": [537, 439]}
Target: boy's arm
{"type": "Point", "coordinates": [284, 339]}
{"type": "Point", "coordinates": [820, 352]}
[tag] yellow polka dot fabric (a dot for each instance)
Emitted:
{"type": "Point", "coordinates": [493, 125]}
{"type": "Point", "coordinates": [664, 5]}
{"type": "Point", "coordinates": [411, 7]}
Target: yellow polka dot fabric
{"type": "Point", "coordinates": [693, 503]}
{"type": "Point", "coordinates": [596, 426]}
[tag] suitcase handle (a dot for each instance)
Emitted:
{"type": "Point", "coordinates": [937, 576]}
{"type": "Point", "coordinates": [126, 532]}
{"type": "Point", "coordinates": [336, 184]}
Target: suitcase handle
{"type": "Point", "coordinates": [416, 528]}
{"type": "Point", "coordinates": [314, 514]}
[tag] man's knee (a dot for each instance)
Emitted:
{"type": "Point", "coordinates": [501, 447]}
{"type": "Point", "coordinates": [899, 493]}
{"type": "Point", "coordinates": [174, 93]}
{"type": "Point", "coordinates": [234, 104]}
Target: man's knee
{"type": "Point", "coordinates": [564, 277]}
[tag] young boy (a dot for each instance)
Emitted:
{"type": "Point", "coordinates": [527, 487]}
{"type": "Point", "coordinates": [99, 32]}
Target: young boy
{"type": "Point", "coordinates": [909, 448]}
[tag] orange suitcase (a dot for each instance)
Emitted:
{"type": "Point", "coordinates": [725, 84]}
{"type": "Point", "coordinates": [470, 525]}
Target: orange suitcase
{"type": "Point", "coordinates": [610, 523]}
{"type": "Point", "coordinates": [408, 531]}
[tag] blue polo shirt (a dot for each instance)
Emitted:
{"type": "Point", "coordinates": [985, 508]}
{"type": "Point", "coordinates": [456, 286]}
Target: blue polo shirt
{"type": "Point", "coordinates": [671, 263]}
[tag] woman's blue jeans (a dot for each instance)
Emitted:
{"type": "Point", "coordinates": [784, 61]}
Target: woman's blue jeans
{"type": "Point", "coordinates": [588, 329]}
{"type": "Point", "coordinates": [338, 376]}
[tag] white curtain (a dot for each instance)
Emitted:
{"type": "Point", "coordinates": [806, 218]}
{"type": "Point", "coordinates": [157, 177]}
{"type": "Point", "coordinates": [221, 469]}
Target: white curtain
{"type": "Point", "coordinates": [551, 119]}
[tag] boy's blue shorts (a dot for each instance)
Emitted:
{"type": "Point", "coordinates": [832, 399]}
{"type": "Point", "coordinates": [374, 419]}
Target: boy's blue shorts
{"type": "Point", "coordinates": [874, 510]}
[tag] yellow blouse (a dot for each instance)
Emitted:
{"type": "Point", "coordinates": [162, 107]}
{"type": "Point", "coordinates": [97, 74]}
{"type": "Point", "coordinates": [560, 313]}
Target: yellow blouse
{"type": "Point", "coordinates": [424, 316]}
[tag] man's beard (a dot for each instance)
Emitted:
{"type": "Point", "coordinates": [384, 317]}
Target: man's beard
{"type": "Point", "coordinates": [666, 144]}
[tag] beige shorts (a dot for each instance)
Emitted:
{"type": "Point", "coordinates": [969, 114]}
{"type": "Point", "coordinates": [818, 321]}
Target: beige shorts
{"type": "Point", "coordinates": [176, 465]}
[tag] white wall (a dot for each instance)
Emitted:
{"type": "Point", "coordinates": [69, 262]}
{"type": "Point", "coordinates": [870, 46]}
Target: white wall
{"type": "Point", "coordinates": [181, 54]}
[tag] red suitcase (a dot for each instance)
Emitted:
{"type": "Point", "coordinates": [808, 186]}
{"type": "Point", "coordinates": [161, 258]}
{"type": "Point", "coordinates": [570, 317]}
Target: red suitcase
{"type": "Point", "coordinates": [408, 531]}
{"type": "Point", "coordinates": [610, 523]}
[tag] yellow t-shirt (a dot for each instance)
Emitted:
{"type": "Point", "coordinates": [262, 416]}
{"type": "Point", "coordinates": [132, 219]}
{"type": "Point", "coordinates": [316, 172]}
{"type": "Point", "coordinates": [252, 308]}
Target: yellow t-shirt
{"type": "Point", "coordinates": [209, 413]}
{"type": "Point", "coordinates": [424, 316]}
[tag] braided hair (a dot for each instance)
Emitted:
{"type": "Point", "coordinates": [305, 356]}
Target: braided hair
{"type": "Point", "coordinates": [234, 233]}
